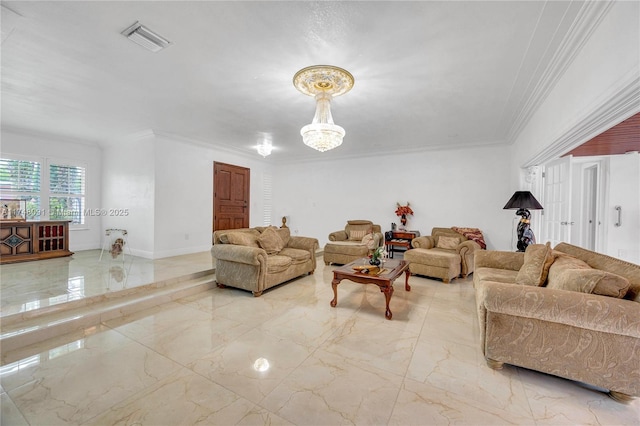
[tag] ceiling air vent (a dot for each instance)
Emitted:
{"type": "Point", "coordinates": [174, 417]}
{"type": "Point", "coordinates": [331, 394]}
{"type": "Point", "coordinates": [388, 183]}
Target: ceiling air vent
{"type": "Point", "coordinates": [146, 38]}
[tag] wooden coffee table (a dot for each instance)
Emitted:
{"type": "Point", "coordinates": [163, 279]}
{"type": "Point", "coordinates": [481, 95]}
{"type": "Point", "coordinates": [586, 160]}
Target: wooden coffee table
{"type": "Point", "coordinates": [393, 269]}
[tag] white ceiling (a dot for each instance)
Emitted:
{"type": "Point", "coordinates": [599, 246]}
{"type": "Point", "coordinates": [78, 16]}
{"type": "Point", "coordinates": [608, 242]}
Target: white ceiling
{"type": "Point", "coordinates": [428, 74]}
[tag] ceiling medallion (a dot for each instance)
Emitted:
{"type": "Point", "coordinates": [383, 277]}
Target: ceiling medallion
{"type": "Point", "coordinates": [323, 82]}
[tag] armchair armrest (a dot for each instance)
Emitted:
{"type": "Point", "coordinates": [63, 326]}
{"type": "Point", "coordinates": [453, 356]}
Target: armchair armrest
{"type": "Point", "coordinates": [304, 243]}
{"type": "Point", "coordinates": [308, 244]}
{"type": "Point", "coordinates": [467, 247]}
{"type": "Point", "coordinates": [510, 260]}
{"type": "Point", "coordinates": [239, 254]}
{"type": "Point", "coordinates": [425, 242]}
{"type": "Point", "coordinates": [378, 238]}
{"type": "Point", "coordinates": [338, 236]}
{"type": "Point", "coordinates": [582, 310]}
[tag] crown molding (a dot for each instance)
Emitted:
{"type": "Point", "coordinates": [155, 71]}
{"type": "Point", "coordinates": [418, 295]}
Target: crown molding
{"type": "Point", "coordinates": [327, 156]}
{"type": "Point", "coordinates": [132, 137]}
{"type": "Point", "coordinates": [588, 20]}
{"type": "Point", "coordinates": [611, 108]}
{"type": "Point", "coordinates": [48, 136]}
{"type": "Point", "coordinates": [172, 137]}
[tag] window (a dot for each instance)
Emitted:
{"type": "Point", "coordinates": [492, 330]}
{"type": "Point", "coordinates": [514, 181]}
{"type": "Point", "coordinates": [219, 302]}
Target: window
{"type": "Point", "coordinates": [21, 180]}
{"type": "Point", "coordinates": [55, 192]}
{"type": "Point", "coordinates": [66, 193]}
{"type": "Point", "coordinates": [266, 199]}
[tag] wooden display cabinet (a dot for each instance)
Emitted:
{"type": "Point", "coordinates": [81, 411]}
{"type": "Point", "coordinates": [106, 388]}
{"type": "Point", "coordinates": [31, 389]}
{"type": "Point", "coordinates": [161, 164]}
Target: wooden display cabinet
{"type": "Point", "coordinates": [22, 241]}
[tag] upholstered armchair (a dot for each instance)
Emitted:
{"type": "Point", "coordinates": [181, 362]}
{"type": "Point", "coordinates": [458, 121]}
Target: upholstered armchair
{"type": "Point", "coordinates": [445, 254]}
{"type": "Point", "coordinates": [355, 241]}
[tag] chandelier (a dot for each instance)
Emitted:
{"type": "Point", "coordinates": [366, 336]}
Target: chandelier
{"type": "Point", "coordinates": [265, 146]}
{"type": "Point", "coordinates": [323, 82]}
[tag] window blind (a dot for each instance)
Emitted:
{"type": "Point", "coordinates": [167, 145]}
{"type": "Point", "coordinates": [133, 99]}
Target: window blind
{"type": "Point", "coordinates": [67, 190]}
{"type": "Point", "coordinates": [18, 176]}
{"type": "Point", "coordinates": [266, 199]}
{"type": "Point", "coordinates": [22, 180]}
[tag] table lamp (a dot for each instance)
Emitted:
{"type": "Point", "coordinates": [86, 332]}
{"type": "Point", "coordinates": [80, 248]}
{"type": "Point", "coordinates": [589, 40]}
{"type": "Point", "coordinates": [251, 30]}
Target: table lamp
{"type": "Point", "coordinates": [522, 201]}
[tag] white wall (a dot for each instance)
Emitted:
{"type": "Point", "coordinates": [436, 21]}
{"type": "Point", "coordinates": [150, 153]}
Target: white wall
{"type": "Point", "coordinates": [445, 188]}
{"type": "Point", "coordinates": [129, 184]}
{"type": "Point", "coordinates": [49, 146]}
{"type": "Point", "coordinates": [609, 60]}
{"type": "Point", "coordinates": [591, 96]}
{"type": "Point", "coordinates": [166, 182]}
{"type": "Point", "coordinates": [624, 180]}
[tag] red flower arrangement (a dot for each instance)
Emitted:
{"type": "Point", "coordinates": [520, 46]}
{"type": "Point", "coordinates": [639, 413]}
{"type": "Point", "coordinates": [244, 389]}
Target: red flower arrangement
{"type": "Point", "coordinates": [403, 210]}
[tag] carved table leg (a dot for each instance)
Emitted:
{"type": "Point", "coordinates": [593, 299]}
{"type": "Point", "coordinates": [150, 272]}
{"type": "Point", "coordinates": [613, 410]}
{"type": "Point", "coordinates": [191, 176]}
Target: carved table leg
{"type": "Point", "coordinates": [388, 292]}
{"type": "Point", "coordinates": [407, 273]}
{"type": "Point", "coordinates": [334, 286]}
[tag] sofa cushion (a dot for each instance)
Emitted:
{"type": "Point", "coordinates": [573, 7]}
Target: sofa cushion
{"type": "Point", "coordinates": [277, 263]}
{"type": "Point", "coordinates": [449, 243]}
{"type": "Point", "coordinates": [537, 260]}
{"type": "Point", "coordinates": [570, 273]}
{"type": "Point", "coordinates": [348, 248]}
{"type": "Point", "coordinates": [270, 241]}
{"type": "Point", "coordinates": [591, 281]}
{"type": "Point", "coordinates": [357, 232]}
{"type": "Point", "coordinates": [297, 255]}
{"type": "Point", "coordinates": [240, 239]}
{"type": "Point", "coordinates": [610, 264]}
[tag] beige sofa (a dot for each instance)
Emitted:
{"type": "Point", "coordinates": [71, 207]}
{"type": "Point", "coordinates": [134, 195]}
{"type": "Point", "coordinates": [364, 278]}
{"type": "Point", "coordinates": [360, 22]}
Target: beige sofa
{"type": "Point", "coordinates": [256, 259]}
{"type": "Point", "coordinates": [355, 241]}
{"type": "Point", "coordinates": [569, 312]}
{"type": "Point", "coordinates": [445, 254]}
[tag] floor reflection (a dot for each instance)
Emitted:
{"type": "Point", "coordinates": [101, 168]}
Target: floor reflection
{"type": "Point", "coordinates": [32, 285]}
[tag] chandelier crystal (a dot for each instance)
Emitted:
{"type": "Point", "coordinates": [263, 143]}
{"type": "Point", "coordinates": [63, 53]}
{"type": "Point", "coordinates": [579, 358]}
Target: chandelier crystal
{"type": "Point", "coordinates": [323, 82]}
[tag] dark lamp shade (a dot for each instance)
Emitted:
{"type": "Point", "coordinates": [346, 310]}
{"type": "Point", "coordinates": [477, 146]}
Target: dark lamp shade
{"type": "Point", "coordinates": [523, 200]}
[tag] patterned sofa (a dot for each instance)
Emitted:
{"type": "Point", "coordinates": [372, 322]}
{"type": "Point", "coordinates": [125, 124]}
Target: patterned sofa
{"type": "Point", "coordinates": [357, 239]}
{"type": "Point", "coordinates": [256, 259]}
{"type": "Point", "coordinates": [569, 312]}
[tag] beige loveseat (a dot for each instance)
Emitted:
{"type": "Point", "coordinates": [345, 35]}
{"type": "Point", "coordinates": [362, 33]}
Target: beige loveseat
{"type": "Point", "coordinates": [569, 312]}
{"type": "Point", "coordinates": [355, 241]}
{"type": "Point", "coordinates": [445, 254]}
{"type": "Point", "coordinates": [256, 259]}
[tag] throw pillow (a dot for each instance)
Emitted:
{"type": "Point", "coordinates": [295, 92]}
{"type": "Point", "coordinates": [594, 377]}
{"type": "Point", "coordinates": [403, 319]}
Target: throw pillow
{"type": "Point", "coordinates": [612, 285]}
{"type": "Point", "coordinates": [357, 232]}
{"type": "Point", "coordinates": [369, 241]}
{"type": "Point", "coordinates": [270, 241]}
{"type": "Point", "coordinates": [242, 239]}
{"type": "Point", "coordinates": [591, 281]}
{"type": "Point", "coordinates": [537, 260]}
{"type": "Point", "coordinates": [450, 243]}
{"type": "Point", "coordinates": [561, 263]}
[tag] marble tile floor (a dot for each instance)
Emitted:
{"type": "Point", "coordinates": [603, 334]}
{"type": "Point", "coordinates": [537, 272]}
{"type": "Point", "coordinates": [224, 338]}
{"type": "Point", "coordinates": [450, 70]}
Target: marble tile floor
{"type": "Point", "coordinates": [224, 357]}
{"type": "Point", "coordinates": [28, 286]}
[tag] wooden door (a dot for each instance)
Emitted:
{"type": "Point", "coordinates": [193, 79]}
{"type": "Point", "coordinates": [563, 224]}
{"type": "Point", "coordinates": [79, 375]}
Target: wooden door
{"type": "Point", "coordinates": [230, 196]}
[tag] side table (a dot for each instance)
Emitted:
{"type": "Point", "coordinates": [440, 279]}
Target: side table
{"type": "Point", "coordinates": [399, 239]}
